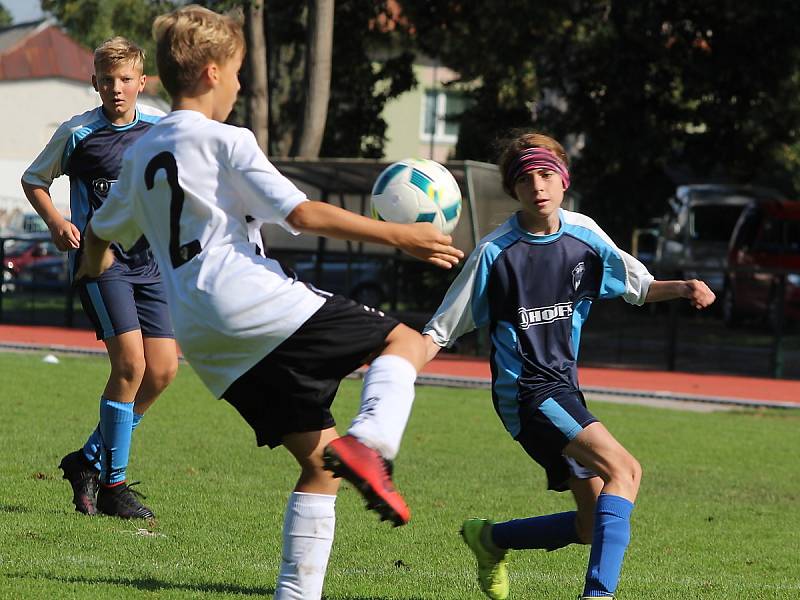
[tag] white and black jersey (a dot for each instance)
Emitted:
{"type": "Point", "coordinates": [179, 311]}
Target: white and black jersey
{"type": "Point", "coordinates": [189, 185]}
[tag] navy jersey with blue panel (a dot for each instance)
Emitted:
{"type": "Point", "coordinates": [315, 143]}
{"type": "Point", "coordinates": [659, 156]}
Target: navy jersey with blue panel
{"type": "Point", "coordinates": [534, 294]}
{"type": "Point", "coordinates": [89, 148]}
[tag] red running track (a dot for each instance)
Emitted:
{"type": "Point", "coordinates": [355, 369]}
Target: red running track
{"type": "Point", "coordinates": [778, 391]}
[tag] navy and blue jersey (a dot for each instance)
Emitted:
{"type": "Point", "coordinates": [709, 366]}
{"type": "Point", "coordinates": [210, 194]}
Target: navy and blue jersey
{"type": "Point", "coordinates": [89, 148]}
{"type": "Point", "coordinates": [534, 293]}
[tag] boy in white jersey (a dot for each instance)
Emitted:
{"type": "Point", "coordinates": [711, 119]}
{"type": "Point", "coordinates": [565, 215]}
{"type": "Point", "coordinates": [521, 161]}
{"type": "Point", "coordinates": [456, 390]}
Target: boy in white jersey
{"type": "Point", "coordinates": [267, 343]}
{"type": "Point", "coordinates": [532, 281]}
{"type": "Point", "coordinates": [127, 304]}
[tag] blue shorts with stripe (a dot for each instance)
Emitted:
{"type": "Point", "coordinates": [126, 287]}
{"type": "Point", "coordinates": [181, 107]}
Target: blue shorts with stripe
{"type": "Point", "coordinates": [546, 427]}
{"type": "Point", "coordinates": [116, 305]}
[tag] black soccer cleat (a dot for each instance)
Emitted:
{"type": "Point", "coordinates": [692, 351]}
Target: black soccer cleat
{"type": "Point", "coordinates": [123, 502]}
{"type": "Point", "coordinates": [84, 479]}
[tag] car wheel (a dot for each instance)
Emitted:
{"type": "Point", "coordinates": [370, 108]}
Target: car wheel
{"type": "Point", "coordinates": [730, 314]}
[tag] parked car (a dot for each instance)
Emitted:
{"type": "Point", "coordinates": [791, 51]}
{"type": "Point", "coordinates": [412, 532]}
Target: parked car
{"type": "Point", "coordinates": [22, 251]}
{"type": "Point", "coordinates": [697, 228]}
{"type": "Point", "coordinates": [763, 276]}
{"type": "Point", "coordinates": [25, 222]}
{"type": "Point", "coordinates": [356, 276]}
{"type": "Point", "coordinates": [48, 274]}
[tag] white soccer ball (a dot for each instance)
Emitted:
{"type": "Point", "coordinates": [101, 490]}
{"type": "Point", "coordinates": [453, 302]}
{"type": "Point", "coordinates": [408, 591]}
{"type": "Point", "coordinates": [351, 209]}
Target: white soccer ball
{"type": "Point", "coordinates": [417, 191]}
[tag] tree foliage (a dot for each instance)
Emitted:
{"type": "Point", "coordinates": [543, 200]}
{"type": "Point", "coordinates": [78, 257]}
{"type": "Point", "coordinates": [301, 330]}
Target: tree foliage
{"type": "Point", "coordinates": [91, 22]}
{"type": "Point", "coordinates": [655, 92]}
{"type": "Point", "coordinates": [5, 17]}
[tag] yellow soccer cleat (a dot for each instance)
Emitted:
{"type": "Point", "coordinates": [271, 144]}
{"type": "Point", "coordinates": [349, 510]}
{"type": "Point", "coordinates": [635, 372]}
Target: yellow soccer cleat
{"type": "Point", "coordinates": [492, 570]}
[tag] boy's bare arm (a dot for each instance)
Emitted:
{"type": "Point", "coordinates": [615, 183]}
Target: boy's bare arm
{"type": "Point", "coordinates": [421, 240]}
{"type": "Point", "coordinates": [96, 257]}
{"type": "Point", "coordinates": [65, 235]}
{"type": "Point", "coordinates": [695, 291]}
{"type": "Point", "coordinates": [431, 348]}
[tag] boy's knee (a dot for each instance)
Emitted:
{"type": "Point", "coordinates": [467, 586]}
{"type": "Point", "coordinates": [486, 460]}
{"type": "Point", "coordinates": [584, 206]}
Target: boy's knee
{"type": "Point", "coordinates": [628, 473]}
{"type": "Point", "coordinates": [408, 343]}
{"type": "Point", "coordinates": [129, 368]}
{"type": "Point", "coordinates": [166, 374]}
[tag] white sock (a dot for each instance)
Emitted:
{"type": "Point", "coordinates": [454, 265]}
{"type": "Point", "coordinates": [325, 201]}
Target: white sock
{"type": "Point", "coordinates": [307, 538]}
{"type": "Point", "coordinates": [386, 400]}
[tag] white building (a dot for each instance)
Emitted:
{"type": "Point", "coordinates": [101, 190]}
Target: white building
{"type": "Point", "coordinates": [45, 78]}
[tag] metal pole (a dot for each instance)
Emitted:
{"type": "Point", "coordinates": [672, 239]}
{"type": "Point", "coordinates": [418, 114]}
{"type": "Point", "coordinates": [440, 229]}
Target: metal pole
{"type": "Point", "coordinates": [435, 116]}
{"type": "Point", "coordinates": [776, 357]}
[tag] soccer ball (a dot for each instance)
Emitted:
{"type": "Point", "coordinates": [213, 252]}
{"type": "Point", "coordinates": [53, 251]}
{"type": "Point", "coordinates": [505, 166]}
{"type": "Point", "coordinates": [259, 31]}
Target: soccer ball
{"type": "Point", "coordinates": [417, 191]}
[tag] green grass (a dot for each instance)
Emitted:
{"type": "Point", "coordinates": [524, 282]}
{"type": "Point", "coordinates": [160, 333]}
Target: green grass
{"type": "Point", "coordinates": [718, 515]}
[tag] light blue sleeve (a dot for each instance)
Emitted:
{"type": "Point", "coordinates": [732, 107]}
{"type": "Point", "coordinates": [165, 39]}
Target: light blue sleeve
{"type": "Point", "coordinates": [623, 275]}
{"type": "Point", "coordinates": [465, 306]}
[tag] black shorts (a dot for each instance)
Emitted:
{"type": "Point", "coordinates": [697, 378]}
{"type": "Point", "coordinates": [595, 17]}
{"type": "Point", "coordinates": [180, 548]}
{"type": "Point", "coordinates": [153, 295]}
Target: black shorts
{"type": "Point", "coordinates": [291, 389]}
{"type": "Point", "coordinates": [549, 426]}
{"type": "Point", "coordinates": [117, 305]}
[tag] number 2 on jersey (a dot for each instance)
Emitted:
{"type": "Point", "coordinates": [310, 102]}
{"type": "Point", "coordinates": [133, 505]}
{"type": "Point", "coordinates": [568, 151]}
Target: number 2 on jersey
{"type": "Point", "coordinates": [179, 254]}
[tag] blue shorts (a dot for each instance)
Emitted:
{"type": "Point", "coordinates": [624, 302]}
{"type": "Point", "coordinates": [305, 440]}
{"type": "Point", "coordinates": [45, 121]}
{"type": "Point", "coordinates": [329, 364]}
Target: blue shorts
{"type": "Point", "coordinates": [550, 425]}
{"type": "Point", "coordinates": [118, 305]}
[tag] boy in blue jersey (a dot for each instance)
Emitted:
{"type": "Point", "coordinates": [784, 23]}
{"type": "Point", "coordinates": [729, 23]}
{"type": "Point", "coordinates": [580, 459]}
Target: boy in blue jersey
{"type": "Point", "coordinates": [532, 281]}
{"type": "Point", "coordinates": [127, 303]}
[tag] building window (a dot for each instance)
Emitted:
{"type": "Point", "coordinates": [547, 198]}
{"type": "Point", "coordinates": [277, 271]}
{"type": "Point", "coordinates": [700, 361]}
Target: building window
{"type": "Point", "coordinates": [440, 115]}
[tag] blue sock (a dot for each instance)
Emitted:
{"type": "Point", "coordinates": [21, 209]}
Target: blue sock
{"type": "Point", "coordinates": [93, 447]}
{"type": "Point", "coordinates": [549, 532]}
{"type": "Point", "coordinates": [612, 532]}
{"type": "Point", "coordinates": [116, 420]}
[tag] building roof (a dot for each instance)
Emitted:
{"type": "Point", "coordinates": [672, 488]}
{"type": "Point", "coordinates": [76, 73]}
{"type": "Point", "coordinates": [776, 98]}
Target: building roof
{"type": "Point", "coordinates": [41, 49]}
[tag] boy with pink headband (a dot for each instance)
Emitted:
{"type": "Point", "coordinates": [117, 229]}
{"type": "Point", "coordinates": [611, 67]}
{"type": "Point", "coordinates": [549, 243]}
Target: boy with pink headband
{"type": "Point", "coordinates": [532, 281]}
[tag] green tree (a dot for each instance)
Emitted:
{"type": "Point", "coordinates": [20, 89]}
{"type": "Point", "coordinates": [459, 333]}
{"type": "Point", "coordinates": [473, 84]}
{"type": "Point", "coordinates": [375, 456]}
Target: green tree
{"type": "Point", "coordinates": [90, 22]}
{"type": "Point", "coordinates": [5, 17]}
{"type": "Point", "coordinates": [652, 92]}
{"type": "Point", "coordinates": [359, 85]}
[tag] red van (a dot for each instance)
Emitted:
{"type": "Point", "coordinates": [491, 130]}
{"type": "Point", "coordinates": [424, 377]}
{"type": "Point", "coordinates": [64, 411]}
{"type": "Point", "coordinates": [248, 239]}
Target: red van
{"type": "Point", "coordinates": [763, 273]}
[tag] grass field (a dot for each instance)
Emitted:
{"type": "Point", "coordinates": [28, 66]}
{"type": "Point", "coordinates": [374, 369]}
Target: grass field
{"type": "Point", "coordinates": [718, 515]}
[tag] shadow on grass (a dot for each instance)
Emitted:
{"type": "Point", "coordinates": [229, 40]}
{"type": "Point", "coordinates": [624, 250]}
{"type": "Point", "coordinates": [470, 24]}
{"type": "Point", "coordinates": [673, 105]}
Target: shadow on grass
{"type": "Point", "coordinates": [13, 508]}
{"type": "Point", "coordinates": [150, 585]}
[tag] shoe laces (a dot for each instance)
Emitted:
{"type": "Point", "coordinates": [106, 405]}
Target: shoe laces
{"type": "Point", "coordinates": [129, 496]}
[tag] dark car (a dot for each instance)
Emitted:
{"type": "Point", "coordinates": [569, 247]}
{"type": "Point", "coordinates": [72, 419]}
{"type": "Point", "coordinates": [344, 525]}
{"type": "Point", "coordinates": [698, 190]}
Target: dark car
{"type": "Point", "coordinates": [48, 274]}
{"type": "Point", "coordinates": [763, 275]}
{"type": "Point", "coordinates": [23, 251]}
{"type": "Point", "coordinates": [359, 277]}
{"type": "Point", "coordinates": [697, 227]}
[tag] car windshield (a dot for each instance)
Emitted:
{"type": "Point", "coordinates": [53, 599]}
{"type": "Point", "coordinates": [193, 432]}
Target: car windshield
{"type": "Point", "coordinates": [714, 222]}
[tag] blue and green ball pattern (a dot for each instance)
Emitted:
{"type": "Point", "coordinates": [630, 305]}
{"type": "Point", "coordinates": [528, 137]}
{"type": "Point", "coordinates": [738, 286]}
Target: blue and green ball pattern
{"type": "Point", "coordinates": [414, 184]}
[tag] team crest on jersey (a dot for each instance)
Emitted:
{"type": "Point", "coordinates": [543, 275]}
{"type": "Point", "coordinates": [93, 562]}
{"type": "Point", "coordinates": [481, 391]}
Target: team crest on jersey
{"type": "Point", "coordinates": [528, 317]}
{"type": "Point", "coordinates": [102, 186]}
{"type": "Point", "coordinates": [577, 275]}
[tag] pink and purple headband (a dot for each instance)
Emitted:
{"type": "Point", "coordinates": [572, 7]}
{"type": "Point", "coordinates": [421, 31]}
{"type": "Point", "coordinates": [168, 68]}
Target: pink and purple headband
{"type": "Point", "coordinates": [533, 159]}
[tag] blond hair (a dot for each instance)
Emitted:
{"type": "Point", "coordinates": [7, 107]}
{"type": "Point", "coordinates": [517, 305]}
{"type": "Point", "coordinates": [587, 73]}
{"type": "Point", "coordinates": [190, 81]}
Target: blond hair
{"type": "Point", "coordinates": [522, 140]}
{"type": "Point", "coordinates": [188, 39]}
{"type": "Point", "coordinates": [117, 51]}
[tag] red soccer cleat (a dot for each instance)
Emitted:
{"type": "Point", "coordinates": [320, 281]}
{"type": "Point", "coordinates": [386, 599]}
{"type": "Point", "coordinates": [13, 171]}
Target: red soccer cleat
{"type": "Point", "coordinates": [370, 473]}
